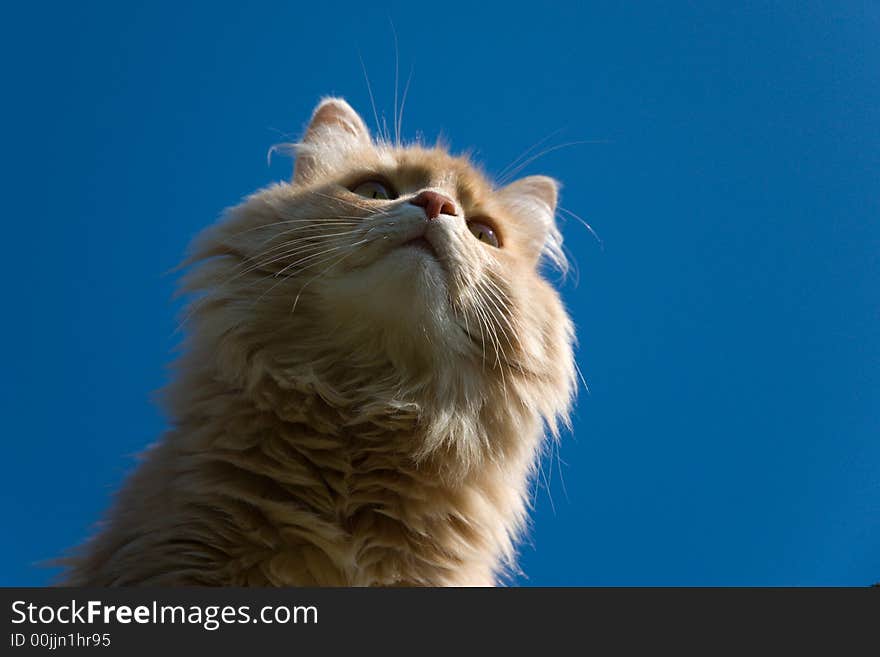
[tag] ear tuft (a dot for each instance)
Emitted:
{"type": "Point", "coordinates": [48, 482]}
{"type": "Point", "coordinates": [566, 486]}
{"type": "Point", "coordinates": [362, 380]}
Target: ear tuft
{"type": "Point", "coordinates": [533, 200]}
{"type": "Point", "coordinates": [542, 188]}
{"type": "Point", "coordinates": [334, 129]}
{"type": "Point", "coordinates": [334, 115]}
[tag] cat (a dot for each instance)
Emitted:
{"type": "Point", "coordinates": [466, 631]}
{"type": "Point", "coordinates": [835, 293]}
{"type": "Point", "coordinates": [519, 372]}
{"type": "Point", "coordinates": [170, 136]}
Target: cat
{"type": "Point", "coordinates": [374, 364]}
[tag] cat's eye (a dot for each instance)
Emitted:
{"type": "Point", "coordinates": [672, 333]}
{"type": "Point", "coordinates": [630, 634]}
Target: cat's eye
{"type": "Point", "coordinates": [374, 189]}
{"type": "Point", "coordinates": [484, 233]}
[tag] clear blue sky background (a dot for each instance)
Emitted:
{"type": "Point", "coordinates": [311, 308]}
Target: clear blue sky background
{"type": "Point", "coordinates": [728, 323]}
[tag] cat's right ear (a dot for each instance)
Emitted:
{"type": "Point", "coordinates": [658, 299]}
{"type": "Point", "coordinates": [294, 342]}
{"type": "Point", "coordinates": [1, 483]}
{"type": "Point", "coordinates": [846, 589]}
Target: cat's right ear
{"type": "Point", "coordinates": [334, 132]}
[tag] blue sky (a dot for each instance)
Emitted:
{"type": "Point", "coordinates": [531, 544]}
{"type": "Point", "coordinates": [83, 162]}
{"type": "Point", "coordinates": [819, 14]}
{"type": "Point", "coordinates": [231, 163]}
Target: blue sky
{"type": "Point", "coordinates": [728, 320]}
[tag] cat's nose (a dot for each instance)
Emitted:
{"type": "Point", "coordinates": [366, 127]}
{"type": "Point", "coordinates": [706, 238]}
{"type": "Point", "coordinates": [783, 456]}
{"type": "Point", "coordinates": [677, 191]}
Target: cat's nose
{"type": "Point", "coordinates": [435, 204]}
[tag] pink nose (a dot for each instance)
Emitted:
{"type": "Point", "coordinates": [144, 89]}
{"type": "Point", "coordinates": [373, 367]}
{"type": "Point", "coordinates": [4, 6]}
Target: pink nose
{"type": "Point", "coordinates": [434, 204]}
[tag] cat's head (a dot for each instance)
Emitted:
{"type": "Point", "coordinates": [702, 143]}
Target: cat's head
{"type": "Point", "coordinates": [404, 264]}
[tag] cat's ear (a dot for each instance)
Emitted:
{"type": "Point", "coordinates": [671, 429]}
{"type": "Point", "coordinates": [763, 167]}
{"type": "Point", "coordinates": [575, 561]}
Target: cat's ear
{"type": "Point", "coordinates": [532, 201]}
{"type": "Point", "coordinates": [334, 131]}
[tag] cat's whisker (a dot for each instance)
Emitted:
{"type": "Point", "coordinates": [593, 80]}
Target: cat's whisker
{"type": "Point", "coordinates": [531, 148]}
{"type": "Point", "coordinates": [300, 234]}
{"type": "Point", "coordinates": [502, 316]}
{"type": "Point", "coordinates": [573, 264]}
{"type": "Point", "coordinates": [489, 326]}
{"type": "Point", "coordinates": [513, 172]}
{"type": "Point", "coordinates": [352, 203]}
{"type": "Point", "coordinates": [315, 222]}
{"type": "Point", "coordinates": [298, 239]}
{"type": "Point", "coordinates": [535, 487]}
{"type": "Point", "coordinates": [284, 279]}
{"type": "Point", "coordinates": [513, 330]}
{"type": "Point", "coordinates": [293, 252]}
{"type": "Point", "coordinates": [559, 464]}
{"type": "Point", "coordinates": [547, 486]}
{"type": "Point", "coordinates": [225, 284]}
{"type": "Point", "coordinates": [403, 103]}
{"type": "Point", "coordinates": [314, 238]}
{"type": "Point", "coordinates": [501, 294]}
{"type": "Point", "coordinates": [369, 90]}
{"type": "Point", "coordinates": [310, 257]}
{"type": "Point", "coordinates": [583, 380]}
{"type": "Point", "coordinates": [486, 309]}
{"type": "Point", "coordinates": [396, 76]}
{"type": "Point", "coordinates": [493, 299]}
{"type": "Point", "coordinates": [385, 128]}
{"type": "Point", "coordinates": [490, 330]}
{"type": "Point", "coordinates": [299, 254]}
{"type": "Point", "coordinates": [329, 267]}
{"type": "Point", "coordinates": [464, 316]}
{"type": "Point", "coordinates": [482, 336]}
{"type": "Point", "coordinates": [196, 305]}
{"type": "Point", "coordinates": [504, 300]}
{"type": "Point", "coordinates": [585, 223]}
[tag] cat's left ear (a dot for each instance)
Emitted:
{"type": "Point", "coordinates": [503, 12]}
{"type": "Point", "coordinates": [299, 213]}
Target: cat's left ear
{"type": "Point", "coordinates": [333, 133]}
{"type": "Point", "coordinates": [532, 201]}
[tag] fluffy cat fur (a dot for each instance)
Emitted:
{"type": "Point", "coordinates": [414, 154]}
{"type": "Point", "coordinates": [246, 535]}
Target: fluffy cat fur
{"type": "Point", "coordinates": [349, 409]}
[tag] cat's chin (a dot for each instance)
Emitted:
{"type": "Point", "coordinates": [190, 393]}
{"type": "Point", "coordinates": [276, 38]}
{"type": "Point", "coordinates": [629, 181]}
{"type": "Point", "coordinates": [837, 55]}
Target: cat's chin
{"type": "Point", "coordinates": [416, 261]}
{"type": "Point", "coordinates": [421, 245]}
{"type": "Point", "coordinates": [413, 270]}
{"type": "Point", "coordinates": [404, 290]}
